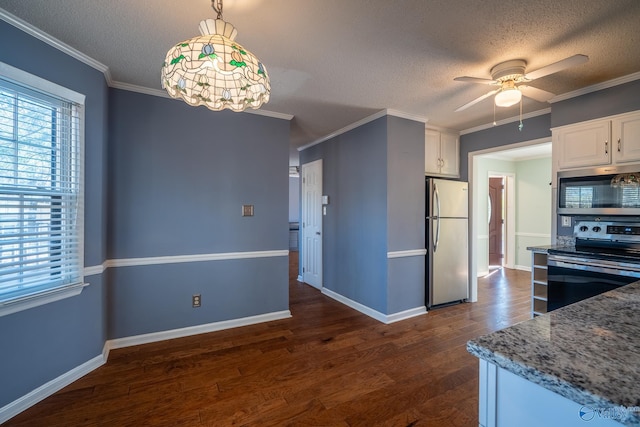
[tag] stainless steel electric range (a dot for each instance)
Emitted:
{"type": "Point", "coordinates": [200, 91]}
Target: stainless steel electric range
{"type": "Point", "coordinates": [606, 256]}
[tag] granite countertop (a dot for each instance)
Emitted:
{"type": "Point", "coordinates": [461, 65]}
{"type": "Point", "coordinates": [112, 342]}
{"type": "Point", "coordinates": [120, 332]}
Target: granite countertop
{"type": "Point", "coordinates": [544, 248]}
{"type": "Point", "coordinates": [588, 352]}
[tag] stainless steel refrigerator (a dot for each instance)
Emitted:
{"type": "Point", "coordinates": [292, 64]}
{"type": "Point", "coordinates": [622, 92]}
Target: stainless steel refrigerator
{"type": "Point", "coordinates": [447, 230]}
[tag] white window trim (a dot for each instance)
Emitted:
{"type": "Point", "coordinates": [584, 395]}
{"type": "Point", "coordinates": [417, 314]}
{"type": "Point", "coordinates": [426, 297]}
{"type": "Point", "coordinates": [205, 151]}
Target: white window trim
{"type": "Point", "coordinates": [41, 298]}
{"type": "Point", "coordinates": [38, 83]}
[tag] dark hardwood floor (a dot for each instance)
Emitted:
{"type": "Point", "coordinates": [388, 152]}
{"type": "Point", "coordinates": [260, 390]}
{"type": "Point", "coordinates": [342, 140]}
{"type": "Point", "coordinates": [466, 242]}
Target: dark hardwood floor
{"type": "Point", "coordinates": [328, 365]}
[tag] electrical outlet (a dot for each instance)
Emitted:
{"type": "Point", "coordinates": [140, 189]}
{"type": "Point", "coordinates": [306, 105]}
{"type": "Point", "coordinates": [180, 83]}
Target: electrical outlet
{"type": "Point", "coordinates": [196, 300]}
{"type": "Point", "coordinates": [566, 221]}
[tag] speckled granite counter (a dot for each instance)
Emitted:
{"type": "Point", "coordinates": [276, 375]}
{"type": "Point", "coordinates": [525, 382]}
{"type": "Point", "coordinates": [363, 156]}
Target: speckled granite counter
{"type": "Point", "coordinates": [544, 248]}
{"type": "Point", "coordinates": [588, 352]}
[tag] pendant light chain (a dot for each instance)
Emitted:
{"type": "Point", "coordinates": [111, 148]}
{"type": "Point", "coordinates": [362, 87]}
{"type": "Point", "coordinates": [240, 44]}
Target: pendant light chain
{"type": "Point", "coordinates": [217, 7]}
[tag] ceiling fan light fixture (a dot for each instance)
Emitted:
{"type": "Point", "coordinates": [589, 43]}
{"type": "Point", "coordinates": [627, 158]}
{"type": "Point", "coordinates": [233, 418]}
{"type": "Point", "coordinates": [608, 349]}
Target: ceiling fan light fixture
{"type": "Point", "coordinates": [214, 70]}
{"type": "Point", "coordinates": [508, 97]}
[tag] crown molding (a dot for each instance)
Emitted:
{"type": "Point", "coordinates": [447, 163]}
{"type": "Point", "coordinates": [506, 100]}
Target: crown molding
{"type": "Point", "coordinates": [345, 129]}
{"type": "Point", "coordinates": [408, 116]}
{"type": "Point", "coordinates": [139, 89]}
{"type": "Point", "coordinates": [596, 87]}
{"type": "Point", "coordinates": [364, 121]}
{"type": "Point", "coordinates": [163, 94]}
{"type": "Point", "coordinates": [55, 43]}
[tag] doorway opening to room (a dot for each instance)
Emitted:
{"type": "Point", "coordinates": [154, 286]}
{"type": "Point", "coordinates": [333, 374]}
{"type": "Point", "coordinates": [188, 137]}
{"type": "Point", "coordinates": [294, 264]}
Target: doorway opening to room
{"type": "Point", "coordinates": [510, 183]}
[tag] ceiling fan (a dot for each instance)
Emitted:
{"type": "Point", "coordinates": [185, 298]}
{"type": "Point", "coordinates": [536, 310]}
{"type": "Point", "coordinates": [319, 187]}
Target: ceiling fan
{"type": "Point", "coordinates": [511, 79]}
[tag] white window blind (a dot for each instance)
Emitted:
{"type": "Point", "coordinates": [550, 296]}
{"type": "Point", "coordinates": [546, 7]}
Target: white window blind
{"type": "Point", "coordinates": [41, 222]}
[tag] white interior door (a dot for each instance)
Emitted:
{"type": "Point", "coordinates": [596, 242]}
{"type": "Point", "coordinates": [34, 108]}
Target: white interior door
{"type": "Point", "coordinates": [312, 223]}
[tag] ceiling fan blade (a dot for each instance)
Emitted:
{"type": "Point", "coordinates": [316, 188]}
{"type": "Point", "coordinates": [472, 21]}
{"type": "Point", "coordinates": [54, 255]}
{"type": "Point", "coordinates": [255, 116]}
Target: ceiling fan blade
{"type": "Point", "coordinates": [557, 66]}
{"type": "Point", "coordinates": [535, 93]}
{"type": "Point", "coordinates": [475, 80]}
{"type": "Point", "coordinates": [475, 101]}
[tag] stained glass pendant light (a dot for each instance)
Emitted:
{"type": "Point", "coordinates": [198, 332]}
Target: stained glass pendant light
{"type": "Point", "coordinates": [215, 71]}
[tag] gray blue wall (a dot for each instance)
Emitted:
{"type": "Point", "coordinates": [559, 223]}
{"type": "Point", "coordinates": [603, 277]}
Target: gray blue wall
{"type": "Point", "coordinates": [374, 177]}
{"type": "Point", "coordinates": [607, 102]}
{"type": "Point", "coordinates": [405, 213]}
{"type": "Point", "coordinates": [44, 342]}
{"type": "Point", "coordinates": [180, 178]}
{"type": "Point", "coordinates": [354, 245]}
{"type": "Point", "coordinates": [161, 179]}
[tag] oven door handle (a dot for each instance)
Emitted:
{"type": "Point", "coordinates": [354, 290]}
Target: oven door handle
{"type": "Point", "coordinates": [596, 266]}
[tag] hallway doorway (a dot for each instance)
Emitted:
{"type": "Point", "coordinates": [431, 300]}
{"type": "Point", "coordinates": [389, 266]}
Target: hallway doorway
{"type": "Point", "coordinates": [496, 203]}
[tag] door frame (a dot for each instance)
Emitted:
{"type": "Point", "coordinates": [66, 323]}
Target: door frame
{"type": "Point", "coordinates": [303, 216]}
{"type": "Point", "coordinates": [473, 194]}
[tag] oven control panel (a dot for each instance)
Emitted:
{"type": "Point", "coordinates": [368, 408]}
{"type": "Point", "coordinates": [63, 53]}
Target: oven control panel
{"type": "Point", "coordinates": [607, 230]}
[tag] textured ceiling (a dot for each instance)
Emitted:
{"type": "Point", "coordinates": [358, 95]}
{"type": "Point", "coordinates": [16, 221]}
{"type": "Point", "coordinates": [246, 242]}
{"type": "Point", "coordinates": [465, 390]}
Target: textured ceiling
{"type": "Point", "coordinates": [334, 62]}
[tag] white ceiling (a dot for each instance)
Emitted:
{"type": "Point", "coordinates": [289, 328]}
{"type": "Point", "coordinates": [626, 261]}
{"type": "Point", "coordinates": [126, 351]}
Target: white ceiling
{"type": "Point", "coordinates": [334, 62]}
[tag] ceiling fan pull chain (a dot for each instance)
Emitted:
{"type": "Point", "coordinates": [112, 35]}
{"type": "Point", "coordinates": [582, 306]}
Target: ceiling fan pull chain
{"type": "Point", "coordinates": [494, 113]}
{"type": "Point", "coordinates": [216, 5]}
{"type": "Point", "coordinates": [520, 126]}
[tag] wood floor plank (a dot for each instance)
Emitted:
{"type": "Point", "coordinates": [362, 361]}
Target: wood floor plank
{"type": "Point", "coordinates": [327, 365]}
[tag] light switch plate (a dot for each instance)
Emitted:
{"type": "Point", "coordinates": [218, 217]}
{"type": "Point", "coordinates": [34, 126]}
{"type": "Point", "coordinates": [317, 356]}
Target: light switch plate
{"type": "Point", "coordinates": [247, 210]}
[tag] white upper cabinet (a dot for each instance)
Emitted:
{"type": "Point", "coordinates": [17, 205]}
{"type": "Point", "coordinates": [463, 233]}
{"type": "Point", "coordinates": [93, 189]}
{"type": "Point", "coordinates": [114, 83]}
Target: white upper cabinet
{"type": "Point", "coordinates": [626, 137]}
{"type": "Point", "coordinates": [598, 142]}
{"type": "Point", "coordinates": [441, 154]}
{"type": "Point", "coordinates": [583, 144]}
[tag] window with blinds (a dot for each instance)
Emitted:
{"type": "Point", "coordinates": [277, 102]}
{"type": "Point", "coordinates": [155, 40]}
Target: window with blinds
{"type": "Point", "coordinates": [41, 210]}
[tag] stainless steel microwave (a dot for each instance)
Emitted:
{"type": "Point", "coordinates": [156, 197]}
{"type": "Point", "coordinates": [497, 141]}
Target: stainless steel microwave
{"type": "Point", "coordinates": [608, 190]}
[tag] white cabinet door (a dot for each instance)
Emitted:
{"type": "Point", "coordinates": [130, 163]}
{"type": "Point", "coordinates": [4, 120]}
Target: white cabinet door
{"type": "Point", "coordinates": [449, 154]}
{"type": "Point", "coordinates": [432, 152]}
{"type": "Point", "coordinates": [441, 154]}
{"type": "Point", "coordinates": [584, 145]}
{"type": "Point", "coordinates": [626, 138]}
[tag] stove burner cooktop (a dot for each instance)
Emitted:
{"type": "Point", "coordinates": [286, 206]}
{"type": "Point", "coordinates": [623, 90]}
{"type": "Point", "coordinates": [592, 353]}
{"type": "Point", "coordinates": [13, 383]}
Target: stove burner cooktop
{"type": "Point", "coordinates": [613, 241]}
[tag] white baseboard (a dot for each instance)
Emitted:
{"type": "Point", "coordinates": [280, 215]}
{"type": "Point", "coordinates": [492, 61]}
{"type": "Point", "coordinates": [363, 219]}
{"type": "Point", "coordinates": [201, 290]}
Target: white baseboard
{"type": "Point", "coordinates": [28, 400]}
{"type": "Point", "coordinates": [384, 318]}
{"type": "Point", "coordinates": [407, 314]}
{"type": "Point", "coordinates": [195, 330]}
{"type": "Point", "coordinates": [523, 268]}
{"type": "Point", "coordinates": [300, 279]}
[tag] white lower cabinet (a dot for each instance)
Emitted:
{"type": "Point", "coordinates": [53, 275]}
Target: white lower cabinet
{"type": "Point", "coordinates": [507, 399]}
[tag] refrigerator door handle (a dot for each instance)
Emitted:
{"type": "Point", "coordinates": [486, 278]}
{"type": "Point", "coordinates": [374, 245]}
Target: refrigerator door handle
{"type": "Point", "coordinates": [436, 218]}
